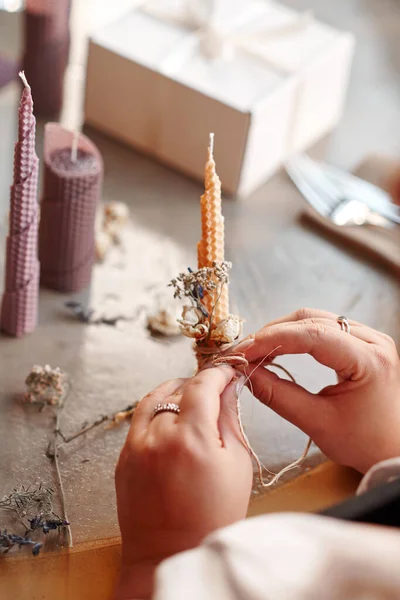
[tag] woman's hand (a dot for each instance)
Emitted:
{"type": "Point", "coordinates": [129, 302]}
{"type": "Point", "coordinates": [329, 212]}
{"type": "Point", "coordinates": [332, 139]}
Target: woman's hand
{"type": "Point", "coordinates": [356, 422]}
{"type": "Point", "coordinates": [179, 477]}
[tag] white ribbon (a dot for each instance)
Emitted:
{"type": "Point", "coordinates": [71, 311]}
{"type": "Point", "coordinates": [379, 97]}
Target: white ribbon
{"type": "Point", "coordinates": [197, 16]}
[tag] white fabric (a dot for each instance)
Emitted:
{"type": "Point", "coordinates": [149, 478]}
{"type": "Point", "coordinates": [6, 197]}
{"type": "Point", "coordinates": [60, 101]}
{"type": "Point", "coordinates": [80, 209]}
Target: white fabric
{"type": "Point", "coordinates": [290, 557]}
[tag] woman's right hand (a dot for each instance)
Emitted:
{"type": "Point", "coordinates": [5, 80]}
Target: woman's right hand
{"type": "Point", "coordinates": [355, 422]}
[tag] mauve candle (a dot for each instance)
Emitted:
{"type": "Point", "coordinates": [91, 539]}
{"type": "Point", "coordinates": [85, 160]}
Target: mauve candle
{"type": "Point", "coordinates": [71, 194]}
{"type": "Point", "coordinates": [19, 306]}
{"type": "Point", "coordinates": [46, 52]}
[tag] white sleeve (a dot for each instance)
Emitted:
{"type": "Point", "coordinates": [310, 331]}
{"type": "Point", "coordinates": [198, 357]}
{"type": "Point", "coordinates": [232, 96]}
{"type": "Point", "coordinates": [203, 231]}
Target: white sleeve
{"type": "Point", "coordinates": [288, 557]}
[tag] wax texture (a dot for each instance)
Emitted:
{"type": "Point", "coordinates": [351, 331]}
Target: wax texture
{"type": "Point", "coordinates": [210, 248]}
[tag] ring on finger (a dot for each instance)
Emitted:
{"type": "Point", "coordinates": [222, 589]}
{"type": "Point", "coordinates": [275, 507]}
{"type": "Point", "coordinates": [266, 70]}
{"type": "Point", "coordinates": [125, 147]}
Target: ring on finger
{"type": "Point", "coordinates": [166, 407]}
{"type": "Point", "coordinates": [344, 324]}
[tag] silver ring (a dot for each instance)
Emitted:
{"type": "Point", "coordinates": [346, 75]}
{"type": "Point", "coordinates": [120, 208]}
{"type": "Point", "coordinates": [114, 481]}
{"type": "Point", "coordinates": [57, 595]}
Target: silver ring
{"type": "Point", "coordinates": [344, 324]}
{"type": "Point", "coordinates": [168, 407]}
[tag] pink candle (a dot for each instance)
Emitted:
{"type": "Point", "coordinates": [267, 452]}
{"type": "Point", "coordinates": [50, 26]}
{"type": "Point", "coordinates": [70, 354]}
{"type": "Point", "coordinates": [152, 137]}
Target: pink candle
{"type": "Point", "coordinates": [19, 306]}
{"type": "Point", "coordinates": [72, 186]}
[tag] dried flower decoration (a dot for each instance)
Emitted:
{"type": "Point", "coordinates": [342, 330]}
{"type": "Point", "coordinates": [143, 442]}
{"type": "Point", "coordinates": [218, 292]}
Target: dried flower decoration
{"type": "Point", "coordinates": [197, 321]}
{"type": "Point", "coordinates": [46, 385]}
{"type": "Point", "coordinates": [228, 330]}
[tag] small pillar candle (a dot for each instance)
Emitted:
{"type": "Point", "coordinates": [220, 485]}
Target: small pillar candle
{"type": "Point", "coordinates": [211, 247]}
{"type": "Point", "coordinates": [20, 299]}
{"type": "Point", "coordinates": [46, 52]}
{"type": "Point", "coordinates": [73, 177]}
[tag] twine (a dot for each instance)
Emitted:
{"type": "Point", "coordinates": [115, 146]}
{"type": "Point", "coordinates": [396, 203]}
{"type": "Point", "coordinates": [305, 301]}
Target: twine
{"type": "Point", "coordinates": [219, 355]}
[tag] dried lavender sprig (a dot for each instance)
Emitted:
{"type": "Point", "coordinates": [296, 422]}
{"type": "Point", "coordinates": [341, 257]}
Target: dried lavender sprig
{"type": "Point", "coordinates": [194, 285]}
{"type": "Point", "coordinates": [46, 525]}
{"type": "Point", "coordinates": [8, 540]}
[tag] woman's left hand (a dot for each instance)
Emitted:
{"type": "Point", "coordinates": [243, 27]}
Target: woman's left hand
{"type": "Point", "coordinates": [180, 477]}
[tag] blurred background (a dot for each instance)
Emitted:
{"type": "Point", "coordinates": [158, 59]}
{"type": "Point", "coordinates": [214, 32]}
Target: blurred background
{"type": "Point", "coordinates": [372, 109]}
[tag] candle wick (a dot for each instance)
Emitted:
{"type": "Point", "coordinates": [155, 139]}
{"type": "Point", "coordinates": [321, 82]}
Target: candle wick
{"type": "Point", "coordinates": [211, 146]}
{"type": "Point", "coordinates": [74, 147]}
{"type": "Point", "coordinates": [24, 80]}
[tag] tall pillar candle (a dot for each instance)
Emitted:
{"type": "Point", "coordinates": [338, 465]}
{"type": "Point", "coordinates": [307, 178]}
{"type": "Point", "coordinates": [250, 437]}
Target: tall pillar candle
{"type": "Point", "coordinates": [20, 299]}
{"type": "Point", "coordinates": [72, 187]}
{"type": "Point", "coordinates": [46, 52]}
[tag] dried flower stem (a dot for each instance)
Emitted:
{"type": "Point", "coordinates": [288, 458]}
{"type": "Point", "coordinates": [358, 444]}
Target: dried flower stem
{"type": "Point", "coordinates": [58, 472]}
{"type": "Point", "coordinates": [111, 418]}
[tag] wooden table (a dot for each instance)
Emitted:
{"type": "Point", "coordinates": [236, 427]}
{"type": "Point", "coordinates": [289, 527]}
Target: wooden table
{"type": "Point", "coordinates": [280, 264]}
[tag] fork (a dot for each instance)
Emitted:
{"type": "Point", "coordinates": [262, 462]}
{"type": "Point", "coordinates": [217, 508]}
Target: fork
{"type": "Point", "coordinates": [327, 199]}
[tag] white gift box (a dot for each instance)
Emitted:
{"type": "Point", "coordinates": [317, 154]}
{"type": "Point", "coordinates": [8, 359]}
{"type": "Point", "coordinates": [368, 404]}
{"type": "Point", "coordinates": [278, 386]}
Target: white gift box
{"type": "Point", "coordinates": [275, 83]}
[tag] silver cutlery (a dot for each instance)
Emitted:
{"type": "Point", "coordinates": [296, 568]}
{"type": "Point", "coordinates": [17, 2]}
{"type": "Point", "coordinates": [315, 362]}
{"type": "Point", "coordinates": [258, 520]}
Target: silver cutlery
{"type": "Point", "coordinates": [343, 198]}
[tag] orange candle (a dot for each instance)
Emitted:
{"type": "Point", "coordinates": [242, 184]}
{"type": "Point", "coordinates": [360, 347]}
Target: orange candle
{"type": "Point", "coordinates": [211, 247]}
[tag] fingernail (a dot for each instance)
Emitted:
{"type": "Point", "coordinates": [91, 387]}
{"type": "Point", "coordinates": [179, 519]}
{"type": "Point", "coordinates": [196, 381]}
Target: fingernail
{"type": "Point", "coordinates": [240, 385]}
{"type": "Point", "coordinates": [242, 346]}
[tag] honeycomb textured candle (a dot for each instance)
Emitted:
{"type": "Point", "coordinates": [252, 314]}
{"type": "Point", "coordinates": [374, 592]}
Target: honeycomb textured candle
{"type": "Point", "coordinates": [210, 248]}
{"type": "Point", "coordinates": [72, 189]}
{"type": "Point", "coordinates": [20, 299]}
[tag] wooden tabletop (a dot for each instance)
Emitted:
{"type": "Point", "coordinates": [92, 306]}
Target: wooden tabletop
{"type": "Point", "coordinates": [280, 264]}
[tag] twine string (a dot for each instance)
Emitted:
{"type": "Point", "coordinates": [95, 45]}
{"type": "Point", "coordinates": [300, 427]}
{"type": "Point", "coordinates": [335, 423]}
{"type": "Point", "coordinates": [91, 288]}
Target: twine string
{"type": "Point", "coordinates": [221, 357]}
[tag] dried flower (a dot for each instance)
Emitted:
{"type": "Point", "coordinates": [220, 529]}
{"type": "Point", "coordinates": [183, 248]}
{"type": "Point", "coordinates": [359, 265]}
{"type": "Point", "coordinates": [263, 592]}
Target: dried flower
{"type": "Point", "coordinates": [27, 501]}
{"type": "Point", "coordinates": [164, 322]}
{"type": "Point", "coordinates": [197, 321]}
{"type": "Point", "coordinates": [116, 216]}
{"type": "Point", "coordinates": [199, 332]}
{"type": "Point", "coordinates": [8, 540]}
{"type": "Point", "coordinates": [228, 330]}
{"type": "Point", "coordinates": [192, 323]}
{"type": "Point", "coordinates": [46, 385]}
{"type": "Point", "coordinates": [47, 525]}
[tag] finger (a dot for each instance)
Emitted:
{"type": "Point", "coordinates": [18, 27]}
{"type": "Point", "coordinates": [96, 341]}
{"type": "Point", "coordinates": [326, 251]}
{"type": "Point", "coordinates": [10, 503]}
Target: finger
{"type": "Point", "coordinates": [298, 315]}
{"type": "Point", "coordinates": [143, 414]}
{"type": "Point", "coordinates": [162, 422]}
{"type": "Point", "coordinates": [304, 313]}
{"type": "Point", "coordinates": [363, 332]}
{"type": "Point", "coordinates": [201, 395]}
{"type": "Point", "coordinates": [228, 422]}
{"type": "Point", "coordinates": [289, 400]}
{"type": "Point", "coordinates": [344, 353]}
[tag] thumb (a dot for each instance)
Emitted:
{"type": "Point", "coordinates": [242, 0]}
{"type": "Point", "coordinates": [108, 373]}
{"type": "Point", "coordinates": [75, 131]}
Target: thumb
{"type": "Point", "coordinates": [228, 422]}
{"type": "Point", "coordinates": [289, 400]}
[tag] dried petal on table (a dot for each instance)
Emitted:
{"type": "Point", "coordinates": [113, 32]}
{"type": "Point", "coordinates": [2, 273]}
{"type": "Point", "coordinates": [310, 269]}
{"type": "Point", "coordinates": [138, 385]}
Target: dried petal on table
{"type": "Point", "coordinates": [164, 322]}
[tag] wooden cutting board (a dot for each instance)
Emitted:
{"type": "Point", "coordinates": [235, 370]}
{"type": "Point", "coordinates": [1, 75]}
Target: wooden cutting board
{"type": "Point", "coordinates": [380, 245]}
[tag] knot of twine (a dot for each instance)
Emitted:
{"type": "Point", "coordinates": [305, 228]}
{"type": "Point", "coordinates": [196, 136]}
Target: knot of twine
{"type": "Point", "coordinates": [217, 355]}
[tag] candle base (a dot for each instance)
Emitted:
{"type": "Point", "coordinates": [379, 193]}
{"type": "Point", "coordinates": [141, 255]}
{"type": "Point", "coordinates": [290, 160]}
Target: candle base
{"type": "Point", "coordinates": [19, 310]}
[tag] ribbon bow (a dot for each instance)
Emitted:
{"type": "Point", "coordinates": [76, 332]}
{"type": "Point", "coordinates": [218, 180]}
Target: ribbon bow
{"type": "Point", "coordinates": [198, 17]}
